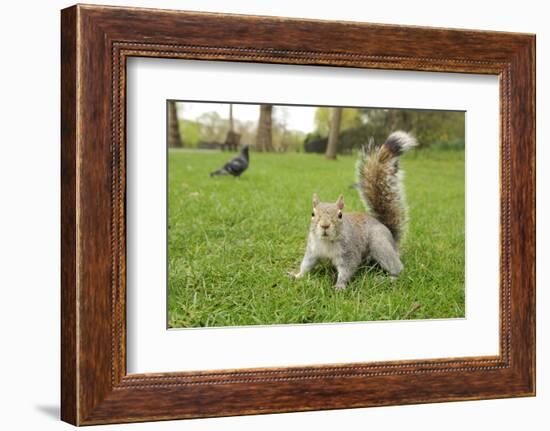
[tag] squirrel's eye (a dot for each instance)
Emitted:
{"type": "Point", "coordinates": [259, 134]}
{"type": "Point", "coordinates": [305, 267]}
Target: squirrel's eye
{"type": "Point", "coordinates": [312, 214]}
{"type": "Point", "coordinates": [339, 215]}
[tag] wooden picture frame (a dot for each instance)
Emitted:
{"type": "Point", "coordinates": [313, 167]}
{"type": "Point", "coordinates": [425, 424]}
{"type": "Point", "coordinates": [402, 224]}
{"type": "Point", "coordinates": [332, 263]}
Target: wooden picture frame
{"type": "Point", "coordinates": [95, 43]}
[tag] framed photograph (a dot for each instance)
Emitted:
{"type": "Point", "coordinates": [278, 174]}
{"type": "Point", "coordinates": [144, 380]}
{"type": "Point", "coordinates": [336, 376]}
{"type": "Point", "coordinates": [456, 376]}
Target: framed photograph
{"type": "Point", "coordinates": [264, 214]}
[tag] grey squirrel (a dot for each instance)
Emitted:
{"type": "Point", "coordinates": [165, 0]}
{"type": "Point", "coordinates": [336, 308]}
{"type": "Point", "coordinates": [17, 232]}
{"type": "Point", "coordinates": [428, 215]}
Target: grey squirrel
{"type": "Point", "coordinates": [348, 239]}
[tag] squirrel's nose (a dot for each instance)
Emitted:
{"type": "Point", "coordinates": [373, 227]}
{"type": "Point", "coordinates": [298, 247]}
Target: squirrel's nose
{"type": "Point", "coordinates": [325, 226]}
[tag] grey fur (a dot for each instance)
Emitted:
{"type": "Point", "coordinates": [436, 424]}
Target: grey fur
{"type": "Point", "coordinates": [399, 142]}
{"type": "Point", "coordinates": [348, 240]}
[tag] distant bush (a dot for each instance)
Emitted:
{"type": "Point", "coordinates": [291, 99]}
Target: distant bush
{"type": "Point", "coordinates": [439, 130]}
{"type": "Point", "coordinates": [348, 141]}
{"type": "Point", "coordinates": [190, 133]}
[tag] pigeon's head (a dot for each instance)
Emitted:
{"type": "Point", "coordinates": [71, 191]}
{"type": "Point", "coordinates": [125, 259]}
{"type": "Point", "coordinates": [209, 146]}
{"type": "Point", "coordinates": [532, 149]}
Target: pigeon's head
{"type": "Point", "coordinates": [326, 218]}
{"type": "Point", "coordinates": [244, 151]}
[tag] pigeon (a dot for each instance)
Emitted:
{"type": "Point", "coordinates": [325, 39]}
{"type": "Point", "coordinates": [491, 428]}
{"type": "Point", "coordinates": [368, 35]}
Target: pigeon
{"type": "Point", "coordinates": [236, 166]}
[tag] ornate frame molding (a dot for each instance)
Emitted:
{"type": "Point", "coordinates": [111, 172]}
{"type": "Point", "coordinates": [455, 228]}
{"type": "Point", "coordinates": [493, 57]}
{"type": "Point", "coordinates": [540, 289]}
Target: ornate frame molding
{"type": "Point", "coordinates": [96, 41]}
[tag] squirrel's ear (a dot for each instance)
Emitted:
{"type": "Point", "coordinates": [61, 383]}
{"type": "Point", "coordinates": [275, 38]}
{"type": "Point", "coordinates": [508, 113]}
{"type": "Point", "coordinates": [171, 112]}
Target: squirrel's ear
{"type": "Point", "coordinates": [315, 200]}
{"type": "Point", "coordinates": [340, 202]}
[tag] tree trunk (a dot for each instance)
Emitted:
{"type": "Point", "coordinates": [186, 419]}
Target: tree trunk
{"type": "Point", "coordinates": [392, 121]}
{"type": "Point", "coordinates": [332, 146]}
{"type": "Point", "coordinates": [231, 124]}
{"type": "Point", "coordinates": [406, 121]}
{"type": "Point", "coordinates": [264, 138]}
{"type": "Point", "coordinates": [174, 137]}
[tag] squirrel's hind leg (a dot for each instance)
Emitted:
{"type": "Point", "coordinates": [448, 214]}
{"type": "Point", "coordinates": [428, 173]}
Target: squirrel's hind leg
{"type": "Point", "coordinates": [386, 254]}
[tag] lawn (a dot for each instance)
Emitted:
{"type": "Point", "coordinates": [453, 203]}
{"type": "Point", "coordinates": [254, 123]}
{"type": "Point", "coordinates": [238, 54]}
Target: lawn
{"type": "Point", "coordinates": [231, 242]}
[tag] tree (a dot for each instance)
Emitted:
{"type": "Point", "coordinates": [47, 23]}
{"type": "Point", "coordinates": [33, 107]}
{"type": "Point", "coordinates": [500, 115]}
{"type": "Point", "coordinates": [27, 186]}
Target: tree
{"type": "Point", "coordinates": [190, 132]}
{"type": "Point", "coordinates": [232, 139]}
{"type": "Point", "coordinates": [283, 138]}
{"type": "Point", "coordinates": [174, 137]}
{"type": "Point", "coordinates": [264, 138]}
{"type": "Point", "coordinates": [247, 130]}
{"type": "Point", "coordinates": [213, 127]}
{"type": "Point", "coordinates": [335, 122]}
{"type": "Point", "coordinates": [351, 118]}
{"type": "Point", "coordinates": [231, 125]}
{"type": "Point", "coordinates": [440, 128]}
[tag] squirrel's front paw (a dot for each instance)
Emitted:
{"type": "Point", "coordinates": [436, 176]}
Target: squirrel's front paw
{"type": "Point", "coordinates": [339, 286]}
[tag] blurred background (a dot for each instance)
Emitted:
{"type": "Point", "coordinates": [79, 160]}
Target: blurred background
{"type": "Point", "coordinates": [309, 129]}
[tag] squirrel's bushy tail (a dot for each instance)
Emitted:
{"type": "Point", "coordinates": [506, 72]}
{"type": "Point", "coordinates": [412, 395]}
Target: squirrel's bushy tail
{"type": "Point", "coordinates": [380, 181]}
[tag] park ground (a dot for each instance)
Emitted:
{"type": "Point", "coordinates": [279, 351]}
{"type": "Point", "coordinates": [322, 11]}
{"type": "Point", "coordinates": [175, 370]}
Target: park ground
{"type": "Point", "coordinates": [231, 242]}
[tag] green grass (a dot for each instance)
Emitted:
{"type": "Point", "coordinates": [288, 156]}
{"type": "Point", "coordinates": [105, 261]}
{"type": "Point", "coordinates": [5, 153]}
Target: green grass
{"type": "Point", "coordinates": [231, 242]}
